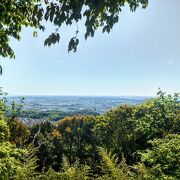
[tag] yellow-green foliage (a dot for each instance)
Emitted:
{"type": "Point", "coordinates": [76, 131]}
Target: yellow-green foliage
{"type": "Point", "coordinates": [15, 163]}
{"type": "Point", "coordinates": [4, 129]}
{"type": "Point", "coordinates": [75, 171]}
{"type": "Point", "coordinates": [163, 159]}
{"type": "Point", "coordinates": [111, 169]}
{"type": "Point", "coordinates": [9, 160]}
{"type": "Point", "coordinates": [158, 116]}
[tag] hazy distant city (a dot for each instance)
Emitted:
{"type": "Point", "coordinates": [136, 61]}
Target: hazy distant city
{"type": "Point", "coordinates": [54, 108]}
{"type": "Point", "coordinates": [97, 104]}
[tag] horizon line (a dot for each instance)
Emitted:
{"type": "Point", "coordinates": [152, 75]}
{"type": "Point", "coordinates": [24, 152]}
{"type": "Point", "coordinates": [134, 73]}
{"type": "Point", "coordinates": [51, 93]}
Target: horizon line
{"type": "Point", "coordinates": [91, 95]}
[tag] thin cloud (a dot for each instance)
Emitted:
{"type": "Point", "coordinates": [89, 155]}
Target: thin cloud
{"type": "Point", "coordinates": [170, 62]}
{"type": "Point", "coordinates": [55, 60]}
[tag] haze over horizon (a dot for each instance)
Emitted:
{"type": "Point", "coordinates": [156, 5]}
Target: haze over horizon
{"type": "Point", "coordinates": [76, 95]}
{"type": "Point", "coordinates": [141, 54]}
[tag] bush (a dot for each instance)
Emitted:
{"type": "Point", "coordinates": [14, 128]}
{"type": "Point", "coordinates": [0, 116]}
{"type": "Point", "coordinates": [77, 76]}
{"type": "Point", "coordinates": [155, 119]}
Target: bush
{"type": "Point", "coordinates": [163, 158]}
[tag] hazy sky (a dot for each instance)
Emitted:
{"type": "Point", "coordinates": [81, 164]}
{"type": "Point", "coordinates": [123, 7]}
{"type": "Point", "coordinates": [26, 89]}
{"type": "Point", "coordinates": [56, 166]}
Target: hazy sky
{"type": "Point", "coordinates": [141, 54]}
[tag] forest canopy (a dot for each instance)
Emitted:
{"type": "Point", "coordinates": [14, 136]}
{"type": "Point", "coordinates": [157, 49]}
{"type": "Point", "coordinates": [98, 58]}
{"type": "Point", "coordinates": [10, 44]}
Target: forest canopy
{"type": "Point", "coordinates": [128, 142]}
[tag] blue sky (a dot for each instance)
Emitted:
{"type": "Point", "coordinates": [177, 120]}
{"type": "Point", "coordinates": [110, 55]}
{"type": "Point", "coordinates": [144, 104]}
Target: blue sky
{"type": "Point", "coordinates": [141, 54]}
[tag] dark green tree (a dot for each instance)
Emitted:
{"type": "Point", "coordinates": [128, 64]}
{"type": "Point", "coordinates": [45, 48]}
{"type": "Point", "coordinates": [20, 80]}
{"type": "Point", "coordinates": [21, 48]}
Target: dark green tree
{"type": "Point", "coordinates": [46, 139]}
{"type": "Point", "coordinates": [77, 137]}
{"type": "Point", "coordinates": [114, 131]}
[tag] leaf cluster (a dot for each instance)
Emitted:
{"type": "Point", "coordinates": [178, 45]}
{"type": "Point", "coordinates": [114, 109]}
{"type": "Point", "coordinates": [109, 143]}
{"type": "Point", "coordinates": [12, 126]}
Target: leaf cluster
{"type": "Point", "coordinates": [33, 13]}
